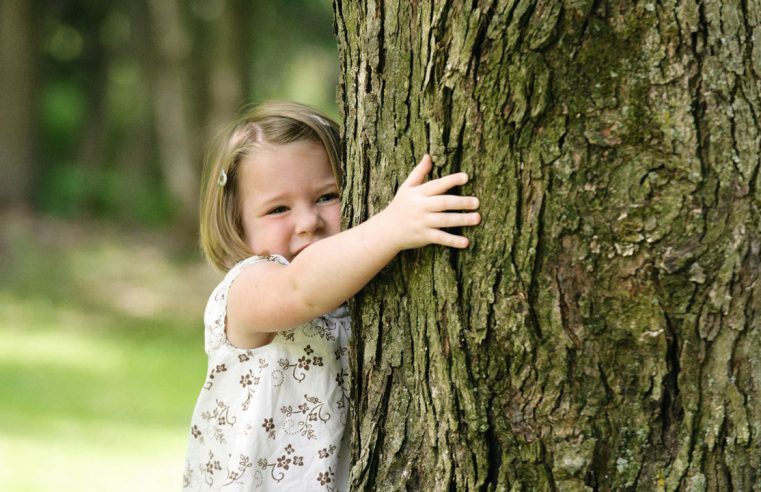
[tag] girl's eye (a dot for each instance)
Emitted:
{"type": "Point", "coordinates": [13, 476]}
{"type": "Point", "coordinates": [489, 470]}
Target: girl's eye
{"type": "Point", "coordinates": [277, 210]}
{"type": "Point", "coordinates": [328, 197]}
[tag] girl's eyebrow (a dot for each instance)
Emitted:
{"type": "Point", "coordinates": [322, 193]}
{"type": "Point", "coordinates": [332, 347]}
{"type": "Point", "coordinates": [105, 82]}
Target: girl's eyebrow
{"type": "Point", "coordinates": [269, 200]}
{"type": "Point", "coordinates": [323, 186]}
{"type": "Point", "coordinates": [328, 185]}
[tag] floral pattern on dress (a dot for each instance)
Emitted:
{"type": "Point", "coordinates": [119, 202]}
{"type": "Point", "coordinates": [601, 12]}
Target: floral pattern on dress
{"type": "Point", "coordinates": [244, 463]}
{"type": "Point", "coordinates": [305, 418]}
{"type": "Point", "coordinates": [327, 479]}
{"type": "Point", "coordinates": [298, 368]}
{"type": "Point", "coordinates": [277, 468]}
{"type": "Point", "coordinates": [219, 417]}
{"type": "Point", "coordinates": [321, 327]}
{"type": "Point", "coordinates": [342, 378]}
{"type": "Point", "coordinates": [271, 418]}
{"type": "Point", "coordinates": [209, 468]}
{"type": "Point", "coordinates": [269, 427]}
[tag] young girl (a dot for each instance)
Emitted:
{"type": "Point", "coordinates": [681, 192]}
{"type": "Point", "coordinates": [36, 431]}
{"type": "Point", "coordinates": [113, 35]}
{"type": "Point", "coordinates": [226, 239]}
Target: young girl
{"type": "Point", "coordinates": [272, 412]}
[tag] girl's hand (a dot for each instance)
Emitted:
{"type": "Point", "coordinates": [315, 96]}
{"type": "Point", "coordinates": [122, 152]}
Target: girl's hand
{"type": "Point", "coordinates": [420, 209]}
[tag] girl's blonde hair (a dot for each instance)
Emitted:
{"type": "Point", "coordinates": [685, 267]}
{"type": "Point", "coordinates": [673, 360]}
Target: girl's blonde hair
{"type": "Point", "coordinates": [274, 123]}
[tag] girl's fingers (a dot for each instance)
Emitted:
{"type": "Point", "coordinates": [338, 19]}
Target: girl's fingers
{"type": "Point", "coordinates": [441, 185]}
{"type": "Point", "coordinates": [439, 221]}
{"type": "Point", "coordinates": [419, 173]}
{"type": "Point", "coordinates": [446, 239]}
{"type": "Point", "coordinates": [441, 203]}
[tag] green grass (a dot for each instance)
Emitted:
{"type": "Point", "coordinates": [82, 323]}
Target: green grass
{"type": "Point", "coordinates": [101, 359]}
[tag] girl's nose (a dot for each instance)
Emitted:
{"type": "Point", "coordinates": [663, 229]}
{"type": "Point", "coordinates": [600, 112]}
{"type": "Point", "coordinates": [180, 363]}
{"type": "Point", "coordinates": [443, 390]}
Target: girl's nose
{"type": "Point", "coordinates": [308, 221]}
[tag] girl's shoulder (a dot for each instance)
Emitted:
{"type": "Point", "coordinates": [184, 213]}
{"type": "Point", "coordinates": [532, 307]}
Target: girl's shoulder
{"type": "Point", "coordinates": [332, 328]}
{"type": "Point", "coordinates": [224, 286]}
{"type": "Point", "coordinates": [251, 260]}
{"type": "Point", "coordinates": [216, 308]}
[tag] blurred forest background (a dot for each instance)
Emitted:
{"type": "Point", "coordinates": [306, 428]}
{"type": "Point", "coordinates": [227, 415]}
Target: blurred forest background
{"type": "Point", "coordinates": [105, 111]}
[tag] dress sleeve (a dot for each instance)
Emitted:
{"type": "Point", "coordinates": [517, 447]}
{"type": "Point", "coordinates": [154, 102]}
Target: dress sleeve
{"type": "Point", "coordinates": [215, 315]}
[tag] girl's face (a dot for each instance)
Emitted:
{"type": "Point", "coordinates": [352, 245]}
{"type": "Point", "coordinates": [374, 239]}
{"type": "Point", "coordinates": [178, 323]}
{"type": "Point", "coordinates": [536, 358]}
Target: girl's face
{"type": "Point", "coordinates": [289, 198]}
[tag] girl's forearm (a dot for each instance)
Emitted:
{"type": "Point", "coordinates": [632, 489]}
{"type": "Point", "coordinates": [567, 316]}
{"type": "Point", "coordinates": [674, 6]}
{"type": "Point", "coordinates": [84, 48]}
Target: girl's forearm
{"type": "Point", "coordinates": [330, 271]}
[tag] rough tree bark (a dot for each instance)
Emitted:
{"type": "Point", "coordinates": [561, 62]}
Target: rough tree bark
{"type": "Point", "coordinates": [603, 332]}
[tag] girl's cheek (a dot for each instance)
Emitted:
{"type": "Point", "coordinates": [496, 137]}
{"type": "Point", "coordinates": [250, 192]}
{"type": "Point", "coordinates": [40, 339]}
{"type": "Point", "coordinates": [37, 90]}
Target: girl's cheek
{"type": "Point", "coordinates": [336, 218]}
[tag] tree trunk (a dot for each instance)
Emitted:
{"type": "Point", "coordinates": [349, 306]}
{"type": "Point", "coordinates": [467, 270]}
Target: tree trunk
{"type": "Point", "coordinates": [176, 149]}
{"type": "Point", "coordinates": [224, 65]}
{"type": "Point", "coordinates": [603, 331]}
{"type": "Point", "coordinates": [18, 104]}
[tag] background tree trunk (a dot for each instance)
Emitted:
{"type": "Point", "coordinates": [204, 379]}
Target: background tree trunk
{"type": "Point", "coordinates": [225, 66]}
{"type": "Point", "coordinates": [176, 148]}
{"type": "Point", "coordinates": [18, 104]}
{"type": "Point", "coordinates": [603, 332]}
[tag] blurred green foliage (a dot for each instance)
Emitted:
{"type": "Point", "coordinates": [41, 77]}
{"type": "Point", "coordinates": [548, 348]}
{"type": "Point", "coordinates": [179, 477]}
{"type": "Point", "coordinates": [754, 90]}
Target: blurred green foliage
{"type": "Point", "coordinates": [102, 357]}
{"type": "Point", "coordinates": [98, 146]}
{"type": "Point", "coordinates": [102, 319]}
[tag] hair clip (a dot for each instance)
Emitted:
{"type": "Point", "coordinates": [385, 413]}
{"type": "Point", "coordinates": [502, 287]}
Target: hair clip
{"type": "Point", "coordinates": [222, 181]}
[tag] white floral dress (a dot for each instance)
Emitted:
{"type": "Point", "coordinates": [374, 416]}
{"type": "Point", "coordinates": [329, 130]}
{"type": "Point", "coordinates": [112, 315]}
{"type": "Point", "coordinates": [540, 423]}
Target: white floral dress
{"type": "Point", "coordinates": [271, 418]}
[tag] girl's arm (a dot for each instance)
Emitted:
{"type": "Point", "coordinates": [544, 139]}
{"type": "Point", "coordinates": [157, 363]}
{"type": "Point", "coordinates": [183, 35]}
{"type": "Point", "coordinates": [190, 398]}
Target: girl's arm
{"type": "Point", "coordinates": [269, 297]}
